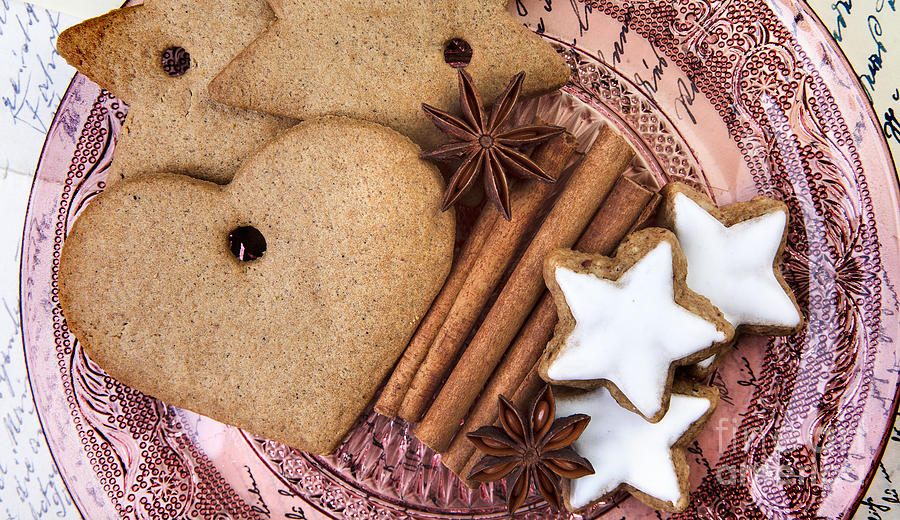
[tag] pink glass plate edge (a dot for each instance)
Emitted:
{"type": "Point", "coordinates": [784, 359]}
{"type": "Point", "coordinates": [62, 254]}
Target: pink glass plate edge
{"type": "Point", "coordinates": [67, 452]}
{"type": "Point", "coordinates": [836, 55]}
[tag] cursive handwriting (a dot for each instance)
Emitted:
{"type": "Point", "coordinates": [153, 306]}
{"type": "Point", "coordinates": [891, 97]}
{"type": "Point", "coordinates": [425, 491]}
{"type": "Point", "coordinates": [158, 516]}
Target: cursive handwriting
{"type": "Point", "coordinates": [879, 5]}
{"type": "Point", "coordinates": [296, 512]}
{"type": "Point", "coordinates": [750, 381]}
{"type": "Point", "coordinates": [890, 125]}
{"type": "Point", "coordinates": [650, 83]}
{"type": "Point", "coordinates": [31, 98]}
{"type": "Point", "coordinates": [34, 79]}
{"type": "Point", "coordinates": [719, 383]}
{"type": "Point", "coordinates": [883, 506]}
{"type": "Point", "coordinates": [841, 5]}
{"type": "Point", "coordinates": [697, 451]}
{"type": "Point", "coordinates": [687, 93]}
{"type": "Point", "coordinates": [895, 435]}
{"type": "Point", "coordinates": [22, 480]}
{"type": "Point", "coordinates": [521, 9]}
{"type": "Point", "coordinates": [259, 505]}
{"type": "Point", "coordinates": [29, 482]}
{"type": "Point", "coordinates": [581, 9]}
{"type": "Point", "coordinates": [875, 61]}
{"type": "Point", "coordinates": [619, 45]}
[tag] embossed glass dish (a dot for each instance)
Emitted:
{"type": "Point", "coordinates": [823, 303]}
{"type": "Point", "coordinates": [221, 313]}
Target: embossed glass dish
{"type": "Point", "coordinates": [737, 97]}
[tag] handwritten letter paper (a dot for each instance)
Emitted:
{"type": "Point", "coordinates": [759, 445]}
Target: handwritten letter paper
{"type": "Point", "coordinates": [35, 78]}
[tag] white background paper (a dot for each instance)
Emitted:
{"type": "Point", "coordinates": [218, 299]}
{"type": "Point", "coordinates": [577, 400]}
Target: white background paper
{"type": "Point", "coordinates": [34, 79]}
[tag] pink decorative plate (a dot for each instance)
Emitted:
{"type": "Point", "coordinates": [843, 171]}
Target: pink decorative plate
{"type": "Point", "coordinates": [738, 97]}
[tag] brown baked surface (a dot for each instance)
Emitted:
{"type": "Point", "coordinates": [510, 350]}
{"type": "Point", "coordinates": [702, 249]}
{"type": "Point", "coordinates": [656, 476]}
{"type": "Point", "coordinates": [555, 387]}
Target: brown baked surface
{"type": "Point", "coordinates": [730, 215]}
{"type": "Point", "coordinates": [629, 252]}
{"type": "Point", "coordinates": [381, 60]}
{"type": "Point", "coordinates": [172, 124]}
{"type": "Point", "coordinates": [291, 346]}
{"type": "Point", "coordinates": [679, 461]}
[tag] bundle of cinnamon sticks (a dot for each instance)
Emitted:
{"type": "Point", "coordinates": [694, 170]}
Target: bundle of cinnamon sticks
{"type": "Point", "coordinates": [430, 386]}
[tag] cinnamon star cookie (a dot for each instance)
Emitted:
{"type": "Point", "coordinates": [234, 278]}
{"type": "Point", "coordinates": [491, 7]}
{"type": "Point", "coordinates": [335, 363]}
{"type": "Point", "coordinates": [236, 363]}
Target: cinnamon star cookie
{"type": "Point", "coordinates": [647, 459]}
{"type": "Point", "coordinates": [734, 259]}
{"type": "Point", "coordinates": [626, 322]}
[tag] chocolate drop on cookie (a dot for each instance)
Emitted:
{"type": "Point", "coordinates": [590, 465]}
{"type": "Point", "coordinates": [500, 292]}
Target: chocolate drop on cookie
{"type": "Point", "coordinates": [246, 243]}
{"type": "Point", "coordinates": [457, 53]}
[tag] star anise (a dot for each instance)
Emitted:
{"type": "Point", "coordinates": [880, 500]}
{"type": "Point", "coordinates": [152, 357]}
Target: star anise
{"type": "Point", "coordinates": [531, 447]}
{"type": "Point", "coordinates": [485, 144]}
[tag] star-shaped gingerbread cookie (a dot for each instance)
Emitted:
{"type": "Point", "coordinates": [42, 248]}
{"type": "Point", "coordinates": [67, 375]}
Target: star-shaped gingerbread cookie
{"type": "Point", "coordinates": [159, 57]}
{"type": "Point", "coordinates": [626, 322]}
{"type": "Point", "coordinates": [734, 257]}
{"type": "Point", "coordinates": [647, 459]}
{"type": "Point", "coordinates": [381, 60]}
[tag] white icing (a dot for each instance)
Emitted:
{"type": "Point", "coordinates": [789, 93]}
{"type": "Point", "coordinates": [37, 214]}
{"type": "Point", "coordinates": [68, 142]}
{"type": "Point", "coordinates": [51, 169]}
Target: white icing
{"type": "Point", "coordinates": [630, 331]}
{"type": "Point", "coordinates": [732, 266]}
{"type": "Point", "coordinates": [706, 362]}
{"type": "Point", "coordinates": [626, 449]}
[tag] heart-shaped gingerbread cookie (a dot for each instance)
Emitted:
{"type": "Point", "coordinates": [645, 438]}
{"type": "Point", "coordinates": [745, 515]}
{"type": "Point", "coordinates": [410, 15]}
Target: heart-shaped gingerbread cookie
{"type": "Point", "coordinates": [291, 345]}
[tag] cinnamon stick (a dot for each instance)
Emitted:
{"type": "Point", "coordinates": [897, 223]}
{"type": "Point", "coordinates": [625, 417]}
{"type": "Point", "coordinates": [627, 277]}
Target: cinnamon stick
{"type": "Point", "coordinates": [388, 403]}
{"type": "Point", "coordinates": [483, 276]}
{"type": "Point", "coordinates": [628, 205]}
{"type": "Point", "coordinates": [588, 186]}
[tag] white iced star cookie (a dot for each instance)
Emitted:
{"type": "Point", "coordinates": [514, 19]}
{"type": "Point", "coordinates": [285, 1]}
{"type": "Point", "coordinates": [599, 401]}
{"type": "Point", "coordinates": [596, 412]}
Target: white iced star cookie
{"type": "Point", "coordinates": [647, 459]}
{"type": "Point", "coordinates": [734, 258]}
{"type": "Point", "coordinates": [627, 322]}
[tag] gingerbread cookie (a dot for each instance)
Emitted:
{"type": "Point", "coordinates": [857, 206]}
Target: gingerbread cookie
{"type": "Point", "coordinates": [276, 303]}
{"type": "Point", "coordinates": [647, 459]}
{"type": "Point", "coordinates": [159, 57]}
{"type": "Point", "coordinates": [627, 322]}
{"type": "Point", "coordinates": [381, 60]}
{"type": "Point", "coordinates": [734, 257]}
